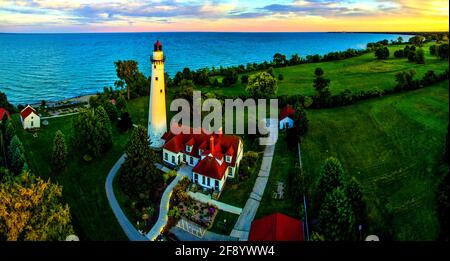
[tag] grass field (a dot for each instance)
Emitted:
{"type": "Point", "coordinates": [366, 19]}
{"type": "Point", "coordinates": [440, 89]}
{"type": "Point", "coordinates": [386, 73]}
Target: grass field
{"type": "Point", "coordinates": [83, 183]}
{"type": "Point", "coordinates": [359, 73]}
{"type": "Point", "coordinates": [221, 216]}
{"type": "Point", "coordinates": [283, 163]}
{"type": "Point", "coordinates": [392, 146]}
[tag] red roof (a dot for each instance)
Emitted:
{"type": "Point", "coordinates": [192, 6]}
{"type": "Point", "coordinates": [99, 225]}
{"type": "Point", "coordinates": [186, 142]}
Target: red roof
{"type": "Point", "coordinates": [27, 111]}
{"type": "Point", "coordinates": [287, 111]}
{"type": "Point", "coordinates": [211, 168]}
{"type": "Point", "coordinates": [3, 112]}
{"type": "Point", "coordinates": [276, 227]}
{"type": "Point", "coordinates": [221, 144]}
{"type": "Point", "coordinates": [158, 43]}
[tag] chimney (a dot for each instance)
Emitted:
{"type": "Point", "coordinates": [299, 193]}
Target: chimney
{"type": "Point", "coordinates": [211, 144]}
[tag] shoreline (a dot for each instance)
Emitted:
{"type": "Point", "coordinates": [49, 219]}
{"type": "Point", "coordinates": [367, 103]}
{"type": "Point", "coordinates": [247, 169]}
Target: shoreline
{"type": "Point", "coordinates": [72, 100]}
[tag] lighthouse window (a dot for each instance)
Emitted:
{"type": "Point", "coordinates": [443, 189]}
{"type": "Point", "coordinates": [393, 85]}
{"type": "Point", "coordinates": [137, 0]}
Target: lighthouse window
{"type": "Point", "coordinates": [156, 78]}
{"type": "Point", "coordinates": [154, 66]}
{"type": "Point", "coordinates": [160, 91]}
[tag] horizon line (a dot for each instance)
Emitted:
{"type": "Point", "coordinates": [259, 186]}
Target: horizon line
{"type": "Point", "coordinates": [124, 32]}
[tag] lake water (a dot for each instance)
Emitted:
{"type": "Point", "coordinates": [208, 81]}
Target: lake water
{"type": "Point", "coordinates": [50, 67]}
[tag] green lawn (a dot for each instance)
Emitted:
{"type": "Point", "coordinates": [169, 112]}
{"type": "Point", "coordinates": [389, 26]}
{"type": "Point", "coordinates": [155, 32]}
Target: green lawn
{"type": "Point", "coordinates": [392, 145]}
{"type": "Point", "coordinates": [218, 221]}
{"type": "Point", "coordinates": [283, 163]}
{"type": "Point", "coordinates": [358, 73]}
{"type": "Point", "coordinates": [83, 183]}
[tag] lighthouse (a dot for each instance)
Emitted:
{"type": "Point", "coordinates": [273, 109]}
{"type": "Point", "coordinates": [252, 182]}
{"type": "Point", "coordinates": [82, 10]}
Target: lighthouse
{"type": "Point", "coordinates": [157, 123]}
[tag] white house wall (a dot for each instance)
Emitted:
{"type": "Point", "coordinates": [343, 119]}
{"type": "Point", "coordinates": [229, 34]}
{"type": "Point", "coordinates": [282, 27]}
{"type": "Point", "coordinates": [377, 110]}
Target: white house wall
{"type": "Point", "coordinates": [32, 121]}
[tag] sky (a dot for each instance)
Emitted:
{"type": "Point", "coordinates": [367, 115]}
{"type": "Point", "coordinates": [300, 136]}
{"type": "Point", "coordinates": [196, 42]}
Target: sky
{"type": "Point", "coordinates": [40, 16]}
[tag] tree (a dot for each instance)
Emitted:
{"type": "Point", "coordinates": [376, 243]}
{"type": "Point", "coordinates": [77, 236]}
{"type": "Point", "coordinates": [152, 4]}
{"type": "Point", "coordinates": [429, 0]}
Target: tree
{"type": "Point", "coordinates": [139, 177]}
{"type": "Point", "coordinates": [318, 72]}
{"type": "Point", "coordinates": [434, 49]}
{"type": "Point", "coordinates": [355, 196]}
{"type": "Point", "coordinates": [111, 110]}
{"type": "Point", "coordinates": [121, 103]}
{"type": "Point", "coordinates": [86, 134]}
{"type": "Point", "coordinates": [10, 132]}
{"type": "Point", "coordinates": [443, 51]}
{"type": "Point", "coordinates": [125, 123]}
{"type": "Point", "coordinates": [279, 59]}
{"type": "Point", "coordinates": [337, 221]}
{"type": "Point", "coordinates": [331, 177]}
{"type": "Point", "coordinates": [59, 155]}
{"type": "Point", "coordinates": [128, 72]}
{"type": "Point", "coordinates": [262, 85]}
{"type": "Point", "coordinates": [295, 59]}
{"type": "Point", "coordinates": [280, 77]}
{"type": "Point", "coordinates": [5, 104]}
{"type": "Point", "coordinates": [400, 40]}
{"type": "Point", "coordinates": [417, 40]}
{"type": "Point", "coordinates": [382, 53]}
{"type": "Point", "coordinates": [271, 71]}
{"type": "Point", "coordinates": [399, 54]}
{"type": "Point", "coordinates": [230, 77]}
{"type": "Point", "coordinates": [16, 155]}
{"type": "Point", "coordinates": [321, 85]}
{"type": "Point", "coordinates": [31, 210]}
{"type": "Point", "coordinates": [420, 56]}
{"type": "Point", "coordinates": [405, 80]}
{"type": "Point", "coordinates": [103, 128]}
{"type": "Point", "coordinates": [244, 79]}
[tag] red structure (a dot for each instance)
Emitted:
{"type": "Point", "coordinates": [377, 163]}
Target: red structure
{"type": "Point", "coordinates": [276, 227]}
{"type": "Point", "coordinates": [287, 111]}
{"type": "Point", "coordinates": [3, 112]}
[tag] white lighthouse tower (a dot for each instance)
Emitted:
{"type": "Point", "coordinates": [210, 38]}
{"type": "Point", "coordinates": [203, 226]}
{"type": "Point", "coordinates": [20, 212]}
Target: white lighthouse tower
{"type": "Point", "coordinates": [157, 123]}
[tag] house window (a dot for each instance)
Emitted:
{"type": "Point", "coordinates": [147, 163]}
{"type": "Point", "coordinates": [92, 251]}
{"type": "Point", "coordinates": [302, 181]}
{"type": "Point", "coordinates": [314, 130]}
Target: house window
{"type": "Point", "coordinates": [203, 180]}
{"type": "Point", "coordinates": [191, 161]}
{"type": "Point", "coordinates": [230, 171]}
{"type": "Point", "coordinates": [228, 159]}
{"type": "Point", "coordinates": [200, 152]}
{"type": "Point", "coordinates": [184, 157]}
{"type": "Point", "coordinates": [208, 182]}
{"type": "Point", "coordinates": [32, 124]}
{"type": "Point", "coordinates": [195, 177]}
{"type": "Point", "coordinates": [173, 159]}
{"type": "Point", "coordinates": [188, 148]}
{"type": "Point", "coordinates": [166, 156]}
{"type": "Point", "coordinates": [216, 185]}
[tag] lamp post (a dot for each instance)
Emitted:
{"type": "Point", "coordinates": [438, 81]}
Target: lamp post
{"type": "Point", "coordinates": [360, 234]}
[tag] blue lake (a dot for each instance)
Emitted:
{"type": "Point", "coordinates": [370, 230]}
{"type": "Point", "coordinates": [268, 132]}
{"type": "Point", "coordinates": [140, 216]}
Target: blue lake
{"type": "Point", "coordinates": [50, 67]}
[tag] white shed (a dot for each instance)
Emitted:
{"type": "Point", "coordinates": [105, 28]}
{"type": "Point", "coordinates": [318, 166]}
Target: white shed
{"type": "Point", "coordinates": [29, 118]}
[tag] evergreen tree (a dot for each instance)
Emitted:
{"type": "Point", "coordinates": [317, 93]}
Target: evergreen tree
{"type": "Point", "coordinates": [336, 217]}
{"type": "Point", "coordinates": [331, 177]}
{"type": "Point", "coordinates": [121, 103]}
{"type": "Point", "coordinates": [321, 85]}
{"type": "Point", "coordinates": [16, 155]}
{"type": "Point", "coordinates": [111, 110]}
{"type": "Point", "coordinates": [59, 155]}
{"type": "Point", "coordinates": [86, 135]}
{"type": "Point", "coordinates": [139, 177]}
{"type": "Point", "coordinates": [103, 128]}
{"type": "Point", "coordinates": [10, 132]}
{"type": "Point", "coordinates": [355, 196]}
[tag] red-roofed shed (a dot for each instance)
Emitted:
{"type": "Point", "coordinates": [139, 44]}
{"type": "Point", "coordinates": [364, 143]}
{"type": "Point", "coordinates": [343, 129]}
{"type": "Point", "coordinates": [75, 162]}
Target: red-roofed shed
{"type": "Point", "coordinates": [3, 111]}
{"type": "Point", "coordinates": [276, 227]}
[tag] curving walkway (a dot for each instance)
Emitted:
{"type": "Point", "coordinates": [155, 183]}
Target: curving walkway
{"type": "Point", "coordinates": [164, 205]}
{"type": "Point", "coordinates": [127, 227]}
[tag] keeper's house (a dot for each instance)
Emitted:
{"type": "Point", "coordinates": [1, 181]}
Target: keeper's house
{"type": "Point", "coordinates": [214, 157]}
{"type": "Point", "coordinates": [30, 118]}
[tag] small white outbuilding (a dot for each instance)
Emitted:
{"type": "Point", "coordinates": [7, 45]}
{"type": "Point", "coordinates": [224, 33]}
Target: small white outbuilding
{"type": "Point", "coordinates": [286, 119]}
{"type": "Point", "coordinates": [30, 118]}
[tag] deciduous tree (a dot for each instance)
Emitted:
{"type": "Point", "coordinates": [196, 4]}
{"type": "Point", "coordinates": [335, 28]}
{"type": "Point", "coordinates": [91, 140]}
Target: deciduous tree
{"type": "Point", "coordinates": [262, 85]}
{"type": "Point", "coordinates": [59, 155]}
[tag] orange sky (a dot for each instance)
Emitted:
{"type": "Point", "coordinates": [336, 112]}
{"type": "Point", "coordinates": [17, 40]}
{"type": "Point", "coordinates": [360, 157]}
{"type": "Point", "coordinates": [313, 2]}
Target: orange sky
{"type": "Point", "coordinates": [222, 15]}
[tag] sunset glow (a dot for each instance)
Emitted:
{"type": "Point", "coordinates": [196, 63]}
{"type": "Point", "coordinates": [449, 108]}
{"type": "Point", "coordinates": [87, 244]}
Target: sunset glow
{"type": "Point", "coordinates": [222, 15]}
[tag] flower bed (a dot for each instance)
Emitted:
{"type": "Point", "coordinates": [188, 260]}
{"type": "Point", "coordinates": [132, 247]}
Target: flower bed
{"type": "Point", "coordinates": [198, 212]}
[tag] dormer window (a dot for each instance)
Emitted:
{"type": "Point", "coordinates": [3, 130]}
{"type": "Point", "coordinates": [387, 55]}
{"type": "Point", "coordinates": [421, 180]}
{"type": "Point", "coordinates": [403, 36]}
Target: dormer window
{"type": "Point", "coordinates": [228, 158]}
{"type": "Point", "coordinates": [188, 148]}
{"type": "Point", "coordinates": [200, 151]}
